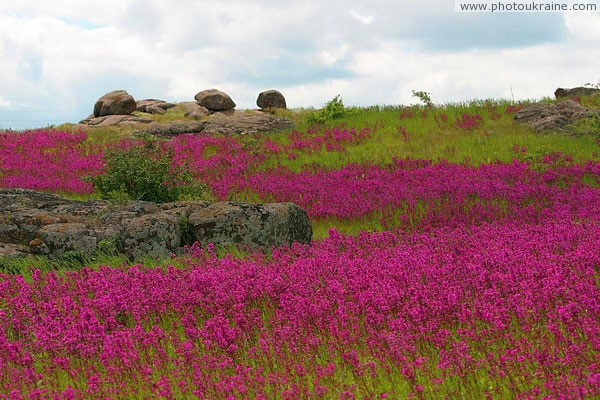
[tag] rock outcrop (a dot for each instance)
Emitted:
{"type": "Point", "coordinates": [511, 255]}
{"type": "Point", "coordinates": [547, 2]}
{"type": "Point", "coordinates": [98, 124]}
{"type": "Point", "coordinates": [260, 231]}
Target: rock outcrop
{"type": "Point", "coordinates": [256, 225]}
{"type": "Point", "coordinates": [193, 110]}
{"type": "Point", "coordinates": [214, 100]}
{"type": "Point", "coordinates": [115, 120]}
{"type": "Point", "coordinates": [574, 92]}
{"type": "Point", "coordinates": [229, 122]}
{"type": "Point", "coordinates": [244, 122]}
{"type": "Point", "coordinates": [270, 99]}
{"type": "Point", "coordinates": [117, 102]}
{"type": "Point", "coordinates": [40, 223]}
{"type": "Point", "coordinates": [153, 106]}
{"type": "Point", "coordinates": [548, 116]}
{"type": "Point", "coordinates": [168, 129]}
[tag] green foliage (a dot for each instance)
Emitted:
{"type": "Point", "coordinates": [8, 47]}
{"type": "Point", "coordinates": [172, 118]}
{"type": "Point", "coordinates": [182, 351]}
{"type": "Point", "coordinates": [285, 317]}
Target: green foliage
{"type": "Point", "coordinates": [333, 110]}
{"type": "Point", "coordinates": [592, 101]}
{"type": "Point", "coordinates": [147, 173]}
{"type": "Point", "coordinates": [425, 97]}
{"type": "Point", "coordinates": [593, 85]}
{"type": "Point", "coordinates": [586, 126]}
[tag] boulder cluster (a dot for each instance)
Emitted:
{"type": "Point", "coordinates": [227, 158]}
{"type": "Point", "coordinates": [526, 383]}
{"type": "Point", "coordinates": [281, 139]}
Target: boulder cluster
{"type": "Point", "coordinates": [553, 117]}
{"type": "Point", "coordinates": [42, 223]}
{"type": "Point", "coordinates": [116, 108]}
{"type": "Point", "coordinates": [545, 116]}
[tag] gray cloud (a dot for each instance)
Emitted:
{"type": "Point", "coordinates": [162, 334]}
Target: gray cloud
{"type": "Point", "coordinates": [288, 70]}
{"type": "Point", "coordinates": [490, 31]}
{"type": "Point", "coordinates": [69, 52]}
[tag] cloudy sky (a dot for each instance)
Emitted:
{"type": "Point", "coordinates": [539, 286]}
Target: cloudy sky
{"type": "Point", "coordinates": [59, 56]}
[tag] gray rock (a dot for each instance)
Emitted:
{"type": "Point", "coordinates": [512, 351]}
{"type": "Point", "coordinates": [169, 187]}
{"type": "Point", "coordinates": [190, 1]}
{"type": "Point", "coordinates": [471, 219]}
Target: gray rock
{"type": "Point", "coordinates": [53, 225]}
{"type": "Point", "coordinates": [254, 225]}
{"type": "Point", "coordinates": [550, 123]}
{"type": "Point", "coordinates": [574, 92]}
{"type": "Point", "coordinates": [572, 109]}
{"type": "Point", "coordinates": [10, 250]}
{"type": "Point", "coordinates": [168, 129]}
{"type": "Point", "coordinates": [553, 117]}
{"type": "Point", "coordinates": [245, 122]}
{"type": "Point", "coordinates": [152, 106]}
{"type": "Point", "coordinates": [194, 110]}
{"type": "Point", "coordinates": [535, 112]}
{"type": "Point", "coordinates": [115, 120]}
{"type": "Point", "coordinates": [9, 232]}
{"type": "Point", "coordinates": [155, 110]}
{"type": "Point", "coordinates": [270, 99]}
{"type": "Point", "coordinates": [64, 237]}
{"type": "Point", "coordinates": [214, 100]}
{"type": "Point", "coordinates": [156, 235]}
{"type": "Point", "coordinates": [117, 102]}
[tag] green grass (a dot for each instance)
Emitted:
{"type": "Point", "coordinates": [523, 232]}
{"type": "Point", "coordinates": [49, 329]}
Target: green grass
{"type": "Point", "coordinates": [491, 141]}
{"type": "Point", "coordinates": [173, 114]}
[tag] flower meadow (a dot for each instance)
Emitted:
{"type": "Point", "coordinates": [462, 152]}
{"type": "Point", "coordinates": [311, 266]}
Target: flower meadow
{"type": "Point", "coordinates": [453, 280]}
{"type": "Point", "coordinates": [488, 310]}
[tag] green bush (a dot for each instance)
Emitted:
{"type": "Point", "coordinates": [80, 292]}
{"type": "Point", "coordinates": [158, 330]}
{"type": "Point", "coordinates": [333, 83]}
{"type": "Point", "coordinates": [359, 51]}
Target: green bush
{"type": "Point", "coordinates": [334, 109]}
{"type": "Point", "coordinates": [586, 126]}
{"type": "Point", "coordinates": [147, 173]}
{"type": "Point", "coordinates": [424, 96]}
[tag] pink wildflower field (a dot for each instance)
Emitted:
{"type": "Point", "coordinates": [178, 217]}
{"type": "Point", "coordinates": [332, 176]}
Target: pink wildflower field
{"type": "Point", "coordinates": [473, 280]}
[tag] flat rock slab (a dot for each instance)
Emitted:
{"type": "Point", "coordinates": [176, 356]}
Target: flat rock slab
{"type": "Point", "coordinates": [244, 122]}
{"type": "Point", "coordinates": [230, 122]}
{"type": "Point", "coordinates": [169, 129]}
{"type": "Point", "coordinates": [114, 120]}
{"type": "Point", "coordinates": [41, 223]}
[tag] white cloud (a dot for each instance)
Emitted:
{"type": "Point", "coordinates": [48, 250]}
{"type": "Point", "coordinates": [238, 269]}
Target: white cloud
{"type": "Point", "coordinates": [362, 18]}
{"type": "Point", "coordinates": [65, 54]}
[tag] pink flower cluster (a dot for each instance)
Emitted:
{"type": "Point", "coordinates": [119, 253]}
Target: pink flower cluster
{"type": "Point", "coordinates": [513, 109]}
{"type": "Point", "coordinates": [510, 303]}
{"type": "Point", "coordinates": [468, 121]}
{"type": "Point", "coordinates": [48, 160]}
{"type": "Point", "coordinates": [438, 194]}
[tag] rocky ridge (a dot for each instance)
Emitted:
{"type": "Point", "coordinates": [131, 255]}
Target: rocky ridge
{"type": "Point", "coordinates": [553, 117]}
{"type": "Point", "coordinates": [41, 223]}
{"type": "Point", "coordinates": [225, 122]}
{"type": "Point", "coordinates": [212, 112]}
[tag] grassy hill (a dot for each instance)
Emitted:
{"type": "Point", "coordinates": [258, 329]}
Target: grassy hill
{"type": "Point", "coordinates": [456, 256]}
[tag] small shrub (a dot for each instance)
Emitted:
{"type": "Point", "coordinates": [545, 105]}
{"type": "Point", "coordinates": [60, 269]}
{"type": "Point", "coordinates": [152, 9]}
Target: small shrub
{"type": "Point", "coordinates": [592, 101]}
{"type": "Point", "coordinates": [425, 97]}
{"type": "Point", "coordinates": [593, 85]}
{"type": "Point", "coordinates": [334, 109]}
{"type": "Point", "coordinates": [147, 173]}
{"type": "Point", "coordinates": [586, 126]}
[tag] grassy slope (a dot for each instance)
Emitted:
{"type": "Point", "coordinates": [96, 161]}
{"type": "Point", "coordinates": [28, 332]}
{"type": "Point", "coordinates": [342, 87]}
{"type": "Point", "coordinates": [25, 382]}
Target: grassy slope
{"type": "Point", "coordinates": [428, 138]}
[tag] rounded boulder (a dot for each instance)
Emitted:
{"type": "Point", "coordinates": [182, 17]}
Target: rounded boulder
{"type": "Point", "coordinates": [117, 102]}
{"type": "Point", "coordinates": [270, 99]}
{"type": "Point", "coordinates": [214, 100]}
